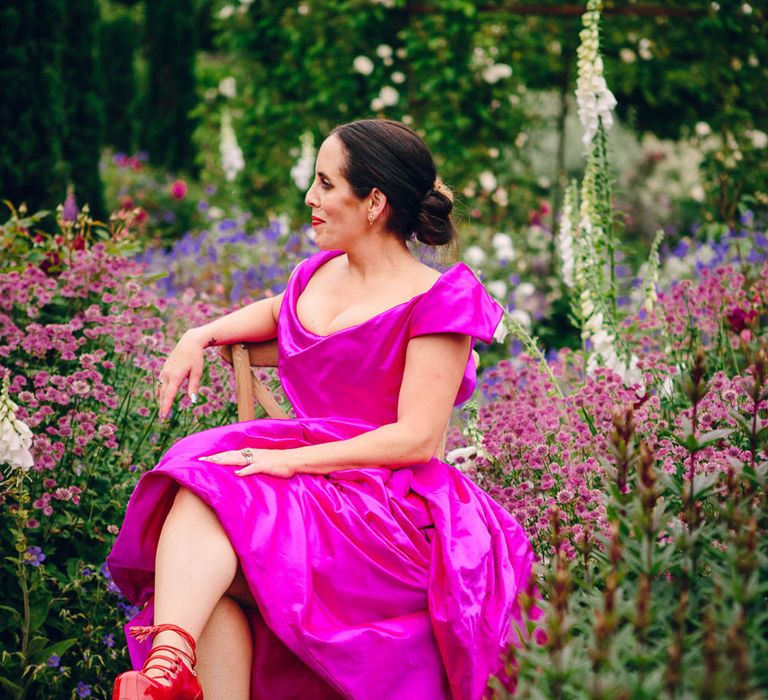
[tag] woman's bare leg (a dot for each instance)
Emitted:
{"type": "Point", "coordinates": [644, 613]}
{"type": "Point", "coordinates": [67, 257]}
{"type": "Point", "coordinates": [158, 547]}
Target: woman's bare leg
{"type": "Point", "coordinates": [194, 566]}
{"type": "Point", "coordinates": [225, 652]}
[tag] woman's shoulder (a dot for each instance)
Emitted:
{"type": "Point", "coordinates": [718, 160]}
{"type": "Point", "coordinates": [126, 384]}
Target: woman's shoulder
{"type": "Point", "coordinates": [457, 302]}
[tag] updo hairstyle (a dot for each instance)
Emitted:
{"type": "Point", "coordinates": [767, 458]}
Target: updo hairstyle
{"type": "Point", "coordinates": [391, 157]}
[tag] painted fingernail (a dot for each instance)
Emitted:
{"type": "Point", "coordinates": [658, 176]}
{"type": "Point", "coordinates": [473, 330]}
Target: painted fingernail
{"type": "Point", "coordinates": [238, 472]}
{"type": "Point", "coordinates": [193, 397]}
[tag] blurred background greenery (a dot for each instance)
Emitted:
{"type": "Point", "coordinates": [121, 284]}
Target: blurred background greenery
{"type": "Point", "coordinates": [258, 83]}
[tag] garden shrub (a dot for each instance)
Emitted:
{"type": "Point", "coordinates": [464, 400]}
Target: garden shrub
{"type": "Point", "coordinates": [81, 344]}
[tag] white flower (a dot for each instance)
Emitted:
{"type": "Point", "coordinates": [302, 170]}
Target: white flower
{"type": "Point", "coordinates": [595, 101]}
{"type": "Point", "coordinates": [705, 254]}
{"type": "Point", "coordinates": [697, 193]}
{"type": "Point", "coordinates": [522, 317]}
{"type": "Point", "coordinates": [487, 181]}
{"type": "Point", "coordinates": [388, 96]}
{"type": "Point", "coordinates": [215, 212]}
{"type": "Point", "coordinates": [503, 247]}
{"type": "Point", "coordinates": [304, 169]}
{"type": "Point", "coordinates": [226, 12]}
{"type": "Point", "coordinates": [627, 55]}
{"type": "Point", "coordinates": [363, 65]}
{"type": "Point", "coordinates": [228, 87]}
{"type": "Point", "coordinates": [498, 288]}
{"type": "Point", "coordinates": [702, 129]}
{"type": "Point", "coordinates": [232, 161]}
{"type": "Point", "coordinates": [746, 8]}
{"type": "Point", "coordinates": [474, 256]}
{"type": "Point", "coordinates": [501, 197]}
{"type": "Point", "coordinates": [525, 290]}
{"type": "Point", "coordinates": [376, 104]}
{"type": "Point", "coordinates": [384, 51]}
{"type": "Point", "coordinates": [15, 435]}
{"type": "Point", "coordinates": [462, 457]}
{"type": "Point", "coordinates": [496, 72]}
{"type": "Point", "coordinates": [384, 3]}
{"type": "Point", "coordinates": [758, 138]}
{"type": "Point", "coordinates": [501, 331]}
{"type": "Point", "coordinates": [398, 77]}
{"type": "Point", "coordinates": [644, 49]}
{"type": "Point", "coordinates": [565, 238]}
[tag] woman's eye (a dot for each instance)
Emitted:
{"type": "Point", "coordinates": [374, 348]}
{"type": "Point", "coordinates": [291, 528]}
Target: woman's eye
{"type": "Point", "coordinates": [325, 184]}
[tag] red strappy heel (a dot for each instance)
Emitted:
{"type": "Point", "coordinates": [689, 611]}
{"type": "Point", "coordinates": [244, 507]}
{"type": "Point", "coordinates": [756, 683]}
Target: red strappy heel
{"type": "Point", "coordinates": [178, 682]}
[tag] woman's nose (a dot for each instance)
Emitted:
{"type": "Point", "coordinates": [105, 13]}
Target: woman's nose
{"type": "Point", "coordinates": [309, 199]}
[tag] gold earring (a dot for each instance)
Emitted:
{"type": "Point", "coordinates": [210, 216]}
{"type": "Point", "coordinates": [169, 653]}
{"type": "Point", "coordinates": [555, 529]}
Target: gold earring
{"type": "Point", "coordinates": [370, 219]}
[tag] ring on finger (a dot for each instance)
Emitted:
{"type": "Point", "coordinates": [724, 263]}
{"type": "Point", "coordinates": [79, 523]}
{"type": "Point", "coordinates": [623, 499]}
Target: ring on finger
{"type": "Point", "coordinates": [247, 454]}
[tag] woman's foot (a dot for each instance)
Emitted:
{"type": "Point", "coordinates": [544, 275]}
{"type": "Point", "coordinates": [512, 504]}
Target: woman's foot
{"type": "Point", "coordinates": [167, 674]}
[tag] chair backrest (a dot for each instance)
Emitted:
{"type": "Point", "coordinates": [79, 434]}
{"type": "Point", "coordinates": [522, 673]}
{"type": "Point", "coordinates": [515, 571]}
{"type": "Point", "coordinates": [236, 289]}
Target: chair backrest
{"type": "Point", "coordinates": [248, 386]}
{"type": "Point", "coordinates": [244, 357]}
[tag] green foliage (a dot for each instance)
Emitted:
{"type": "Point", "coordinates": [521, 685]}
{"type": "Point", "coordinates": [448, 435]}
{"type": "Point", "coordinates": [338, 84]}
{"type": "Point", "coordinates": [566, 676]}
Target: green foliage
{"type": "Point", "coordinates": [170, 28]}
{"type": "Point", "coordinates": [119, 43]}
{"type": "Point", "coordinates": [81, 342]}
{"type": "Point", "coordinates": [672, 602]}
{"type": "Point", "coordinates": [32, 167]}
{"type": "Point", "coordinates": [439, 69]}
{"type": "Point", "coordinates": [83, 103]}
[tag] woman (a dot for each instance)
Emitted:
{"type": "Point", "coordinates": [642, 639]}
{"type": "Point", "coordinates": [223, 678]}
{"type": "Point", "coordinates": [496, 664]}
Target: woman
{"type": "Point", "coordinates": [332, 555]}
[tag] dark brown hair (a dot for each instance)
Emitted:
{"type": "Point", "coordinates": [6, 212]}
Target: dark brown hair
{"type": "Point", "coordinates": [391, 157]}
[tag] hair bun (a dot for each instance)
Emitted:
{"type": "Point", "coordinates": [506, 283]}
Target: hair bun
{"type": "Point", "coordinates": [433, 219]}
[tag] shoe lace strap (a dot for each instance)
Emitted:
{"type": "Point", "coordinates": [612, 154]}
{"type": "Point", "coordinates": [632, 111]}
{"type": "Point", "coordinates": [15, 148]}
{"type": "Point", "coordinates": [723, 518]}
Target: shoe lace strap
{"type": "Point", "coordinates": [143, 633]}
{"type": "Point", "coordinates": [161, 661]}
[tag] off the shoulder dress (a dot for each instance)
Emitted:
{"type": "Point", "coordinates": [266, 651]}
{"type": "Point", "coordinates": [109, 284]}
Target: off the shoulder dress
{"type": "Point", "coordinates": [372, 583]}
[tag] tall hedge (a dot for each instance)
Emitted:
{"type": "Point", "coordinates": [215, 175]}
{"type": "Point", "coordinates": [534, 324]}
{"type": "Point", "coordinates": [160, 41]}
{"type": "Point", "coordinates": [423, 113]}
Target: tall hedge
{"type": "Point", "coordinates": [171, 29]}
{"type": "Point", "coordinates": [83, 104]}
{"type": "Point", "coordinates": [32, 168]}
{"type": "Point", "coordinates": [119, 42]}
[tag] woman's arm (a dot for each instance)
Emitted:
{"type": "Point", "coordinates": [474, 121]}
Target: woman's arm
{"type": "Point", "coordinates": [257, 321]}
{"type": "Point", "coordinates": [433, 370]}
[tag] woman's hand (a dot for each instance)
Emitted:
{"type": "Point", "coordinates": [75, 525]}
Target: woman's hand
{"type": "Point", "coordinates": [185, 360]}
{"type": "Point", "coordinates": [255, 461]}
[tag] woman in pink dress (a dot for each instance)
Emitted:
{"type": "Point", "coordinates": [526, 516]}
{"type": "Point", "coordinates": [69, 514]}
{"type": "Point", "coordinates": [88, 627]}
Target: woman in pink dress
{"type": "Point", "coordinates": [332, 555]}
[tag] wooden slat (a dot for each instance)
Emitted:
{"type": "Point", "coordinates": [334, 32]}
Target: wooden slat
{"type": "Point", "coordinates": [243, 382]}
{"type": "Point", "coordinates": [266, 399]}
{"type": "Point", "coordinates": [263, 353]}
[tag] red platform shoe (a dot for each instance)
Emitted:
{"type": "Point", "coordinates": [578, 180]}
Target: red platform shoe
{"type": "Point", "coordinates": [178, 682]}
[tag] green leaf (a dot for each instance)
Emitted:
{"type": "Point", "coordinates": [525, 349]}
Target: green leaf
{"type": "Point", "coordinates": [15, 613]}
{"type": "Point", "coordinates": [58, 649]}
{"type": "Point", "coordinates": [17, 690]}
{"type": "Point", "coordinates": [39, 608]}
{"type": "Point", "coordinates": [713, 436]}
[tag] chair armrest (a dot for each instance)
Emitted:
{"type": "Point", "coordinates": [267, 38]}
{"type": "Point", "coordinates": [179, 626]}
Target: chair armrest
{"type": "Point", "coordinates": [261, 354]}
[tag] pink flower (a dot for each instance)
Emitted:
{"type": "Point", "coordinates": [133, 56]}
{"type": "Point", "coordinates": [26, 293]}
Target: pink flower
{"type": "Point", "coordinates": [178, 189]}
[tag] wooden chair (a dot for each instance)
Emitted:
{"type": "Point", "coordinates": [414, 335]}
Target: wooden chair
{"type": "Point", "coordinates": [246, 359]}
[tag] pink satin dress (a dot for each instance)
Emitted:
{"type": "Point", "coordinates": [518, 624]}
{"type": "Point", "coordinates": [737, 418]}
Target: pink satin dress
{"type": "Point", "coordinates": [372, 583]}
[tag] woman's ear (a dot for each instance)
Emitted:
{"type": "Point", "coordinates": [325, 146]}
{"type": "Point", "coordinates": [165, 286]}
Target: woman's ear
{"type": "Point", "coordinates": [378, 204]}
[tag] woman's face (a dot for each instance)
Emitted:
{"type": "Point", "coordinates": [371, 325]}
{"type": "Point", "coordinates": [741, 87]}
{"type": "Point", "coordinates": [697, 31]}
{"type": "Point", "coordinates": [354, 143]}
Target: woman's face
{"type": "Point", "coordinates": [338, 215]}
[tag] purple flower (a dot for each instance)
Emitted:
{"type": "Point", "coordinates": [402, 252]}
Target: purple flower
{"type": "Point", "coordinates": [54, 661]}
{"type": "Point", "coordinates": [34, 556]}
{"type": "Point", "coordinates": [108, 640]}
{"type": "Point", "coordinates": [83, 690]}
{"type": "Point", "coordinates": [70, 211]}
